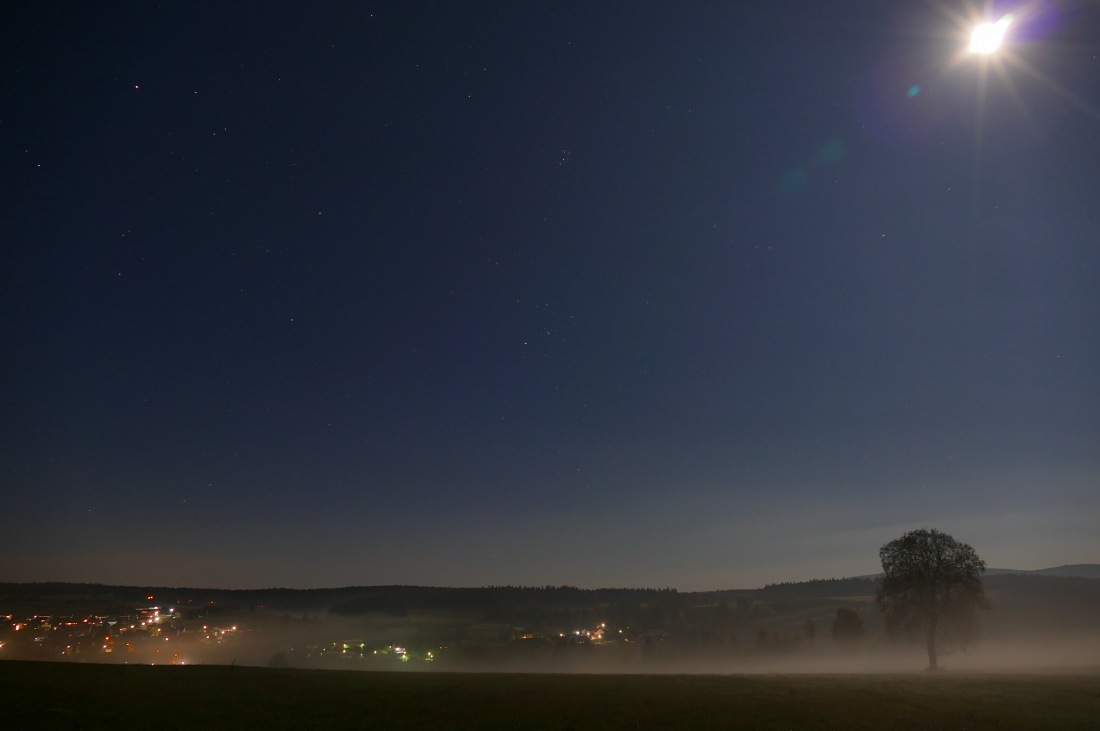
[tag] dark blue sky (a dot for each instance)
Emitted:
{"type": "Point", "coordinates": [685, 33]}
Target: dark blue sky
{"type": "Point", "coordinates": [605, 294]}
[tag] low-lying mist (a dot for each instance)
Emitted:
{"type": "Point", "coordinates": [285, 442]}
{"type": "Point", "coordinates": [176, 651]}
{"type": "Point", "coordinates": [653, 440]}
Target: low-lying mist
{"type": "Point", "coordinates": [1033, 624]}
{"type": "Point", "coordinates": [381, 643]}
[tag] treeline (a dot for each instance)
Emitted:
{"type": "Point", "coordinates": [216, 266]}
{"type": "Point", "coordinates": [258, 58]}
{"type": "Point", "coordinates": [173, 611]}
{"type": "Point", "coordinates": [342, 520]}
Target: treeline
{"type": "Point", "coordinates": [495, 602]}
{"type": "Point", "coordinates": [819, 588]}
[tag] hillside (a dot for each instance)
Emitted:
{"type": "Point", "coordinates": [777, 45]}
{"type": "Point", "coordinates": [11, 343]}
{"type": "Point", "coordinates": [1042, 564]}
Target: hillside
{"type": "Point", "coordinates": [1059, 588]}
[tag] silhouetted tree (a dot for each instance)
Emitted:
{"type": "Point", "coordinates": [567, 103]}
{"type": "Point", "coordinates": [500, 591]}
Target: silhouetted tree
{"type": "Point", "coordinates": [933, 583]}
{"type": "Point", "coordinates": [809, 630]}
{"type": "Point", "coordinates": [847, 626]}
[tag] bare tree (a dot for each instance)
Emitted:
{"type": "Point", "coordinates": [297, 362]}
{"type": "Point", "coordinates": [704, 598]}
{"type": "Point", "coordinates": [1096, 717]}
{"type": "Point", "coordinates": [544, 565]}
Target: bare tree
{"type": "Point", "coordinates": [932, 583]}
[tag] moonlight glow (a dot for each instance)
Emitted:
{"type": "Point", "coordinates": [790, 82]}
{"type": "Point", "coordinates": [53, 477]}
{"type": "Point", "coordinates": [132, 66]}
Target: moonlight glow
{"type": "Point", "coordinates": [988, 37]}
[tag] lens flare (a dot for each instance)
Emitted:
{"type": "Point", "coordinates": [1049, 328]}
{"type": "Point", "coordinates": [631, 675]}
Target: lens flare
{"type": "Point", "coordinates": [987, 38]}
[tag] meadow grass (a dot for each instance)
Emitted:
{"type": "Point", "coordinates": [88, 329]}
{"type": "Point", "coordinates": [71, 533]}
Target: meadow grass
{"type": "Point", "coordinates": [85, 696]}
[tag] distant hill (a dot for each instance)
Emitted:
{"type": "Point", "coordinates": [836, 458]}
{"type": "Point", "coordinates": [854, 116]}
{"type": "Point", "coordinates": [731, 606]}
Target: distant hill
{"type": "Point", "coordinates": [1076, 570]}
{"type": "Point", "coordinates": [506, 602]}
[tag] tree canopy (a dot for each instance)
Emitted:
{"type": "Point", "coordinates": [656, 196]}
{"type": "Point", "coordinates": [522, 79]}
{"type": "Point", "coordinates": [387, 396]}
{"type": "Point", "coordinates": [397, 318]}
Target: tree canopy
{"type": "Point", "coordinates": [931, 582]}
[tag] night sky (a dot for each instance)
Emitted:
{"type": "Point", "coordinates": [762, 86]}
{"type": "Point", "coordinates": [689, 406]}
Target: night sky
{"type": "Point", "coordinates": [695, 295]}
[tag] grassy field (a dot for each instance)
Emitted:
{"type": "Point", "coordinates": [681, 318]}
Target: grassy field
{"type": "Point", "coordinates": [75, 696]}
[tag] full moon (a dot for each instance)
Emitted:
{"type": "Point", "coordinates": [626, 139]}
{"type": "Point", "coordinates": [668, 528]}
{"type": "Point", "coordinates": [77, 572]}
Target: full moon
{"type": "Point", "coordinates": [988, 37]}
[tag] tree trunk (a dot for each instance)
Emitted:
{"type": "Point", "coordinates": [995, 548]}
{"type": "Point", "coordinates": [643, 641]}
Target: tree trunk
{"type": "Point", "coordinates": [931, 645]}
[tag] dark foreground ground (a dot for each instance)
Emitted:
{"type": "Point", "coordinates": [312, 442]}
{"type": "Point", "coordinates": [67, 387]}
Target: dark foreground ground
{"type": "Point", "coordinates": [75, 696]}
